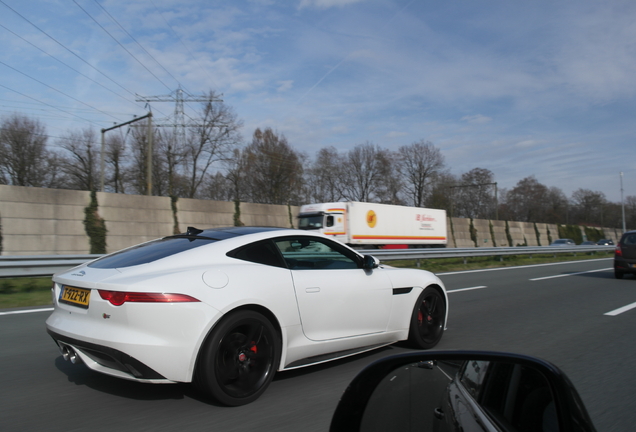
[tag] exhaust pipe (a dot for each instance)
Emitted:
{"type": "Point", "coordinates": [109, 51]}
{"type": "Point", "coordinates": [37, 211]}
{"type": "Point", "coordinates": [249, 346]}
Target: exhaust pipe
{"type": "Point", "coordinates": [69, 354]}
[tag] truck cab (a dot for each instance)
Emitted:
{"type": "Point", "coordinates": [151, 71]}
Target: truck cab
{"type": "Point", "coordinates": [326, 218]}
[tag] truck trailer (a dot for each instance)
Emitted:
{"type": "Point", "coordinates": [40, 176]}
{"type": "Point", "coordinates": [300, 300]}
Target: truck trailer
{"type": "Point", "coordinates": [361, 224]}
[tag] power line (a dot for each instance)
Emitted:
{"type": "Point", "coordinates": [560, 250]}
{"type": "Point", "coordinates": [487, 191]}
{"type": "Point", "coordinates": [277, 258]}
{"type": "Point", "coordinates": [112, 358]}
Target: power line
{"type": "Point", "coordinates": [135, 40]}
{"type": "Point", "coordinates": [44, 103]}
{"type": "Point", "coordinates": [59, 91]}
{"type": "Point", "coordinates": [182, 43]}
{"type": "Point", "coordinates": [120, 44]}
{"type": "Point", "coordinates": [67, 65]}
{"type": "Point", "coordinates": [67, 49]}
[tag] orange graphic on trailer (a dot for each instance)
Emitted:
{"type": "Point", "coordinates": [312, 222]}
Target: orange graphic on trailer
{"type": "Point", "coordinates": [372, 218]}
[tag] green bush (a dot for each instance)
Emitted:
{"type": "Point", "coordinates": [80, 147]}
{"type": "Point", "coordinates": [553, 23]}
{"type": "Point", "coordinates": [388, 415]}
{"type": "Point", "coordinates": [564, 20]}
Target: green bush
{"type": "Point", "coordinates": [572, 232]}
{"type": "Point", "coordinates": [95, 227]}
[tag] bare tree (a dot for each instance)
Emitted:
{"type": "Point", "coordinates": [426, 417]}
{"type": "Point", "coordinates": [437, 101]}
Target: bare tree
{"type": "Point", "coordinates": [391, 186]}
{"type": "Point", "coordinates": [527, 201]}
{"type": "Point", "coordinates": [137, 171]}
{"type": "Point", "coordinates": [218, 187]}
{"type": "Point", "coordinates": [211, 138]}
{"type": "Point", "coordinates": [324, 178]}
{"type": "Point", "coordinates": [588, 206]}
{"type": "Point", "coordinates": [115, 156]}
{"type": "Point", "coordinates": [362, 180]}
{"type": "Point", "coordinates": [81, 166]}
{"type": "Point", "coordinates": [557, 206]}
{"type": "Point", "coordinates": [474, 197]}
{"type": "Point", "coordinates": [275, 169]}
{"type": "Point", "coordinates": [24, 159]}
{"type": "Point", "coordinates": [171, 156]}
{"type": "Point", "coordinates": [418, 164]}
{"type": "Point", "coordinates": [440, 196]}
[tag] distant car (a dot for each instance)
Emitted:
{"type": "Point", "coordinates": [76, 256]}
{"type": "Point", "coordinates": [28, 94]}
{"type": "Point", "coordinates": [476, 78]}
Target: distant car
{"type": "Point", "coordinates": [226, 308]}
{"type": "Point", "coordinates": [588, 243]}
{"type": "Point", "coordinates": [563, 242]}
{"type": "Point", "coordinates": [625, 255]}
{"type": "Point", "coordinates": [605, 242]}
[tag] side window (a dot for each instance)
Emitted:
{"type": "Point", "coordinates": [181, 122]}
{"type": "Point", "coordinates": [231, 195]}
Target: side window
{"type": "Point", "coordinates": [309, 253]}
{"type": "Point", "coordinates": [473, 376]}
{"type": "Point", "coordinates": [329, 221]}
{"type": "Point", "coordinates": [514, 396]}
{"type": "Point", "coordinates": [262, 252]}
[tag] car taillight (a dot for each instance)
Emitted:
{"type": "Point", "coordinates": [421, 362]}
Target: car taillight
{"type": "Point", "coordinates": [118, 298]}
{"type": "Point", "coordinates": [618, 251]}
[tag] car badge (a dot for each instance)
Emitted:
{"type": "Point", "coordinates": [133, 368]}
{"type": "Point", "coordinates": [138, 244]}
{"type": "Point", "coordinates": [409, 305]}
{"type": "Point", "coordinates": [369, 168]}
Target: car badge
{"type": "Point", "coordinates": [80, 273]}
{"type": "Point", "coordinates": [105, 316]}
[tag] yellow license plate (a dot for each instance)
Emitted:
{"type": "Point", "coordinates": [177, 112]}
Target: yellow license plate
{"type": "Point", "coordinates": [75, 296]}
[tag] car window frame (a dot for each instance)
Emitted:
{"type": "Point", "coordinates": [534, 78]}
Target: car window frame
{"type": "Point", "coordinates": [335, 246]}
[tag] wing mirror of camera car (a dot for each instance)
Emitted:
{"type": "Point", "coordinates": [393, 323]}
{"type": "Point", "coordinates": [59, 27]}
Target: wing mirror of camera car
{"type": "Point", "coordinates": [461, 391]}
{"type": "Point", "coordinates": [370, 262]}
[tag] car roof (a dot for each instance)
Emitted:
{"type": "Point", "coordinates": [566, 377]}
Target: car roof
{"type": "Point", "coordinates": [222, 233]}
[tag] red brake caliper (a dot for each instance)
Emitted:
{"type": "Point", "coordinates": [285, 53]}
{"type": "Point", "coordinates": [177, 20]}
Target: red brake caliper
{"type": "Point", "coordinates": [420, 316]}
{"type": "Point", "coordinates": [243, 357]}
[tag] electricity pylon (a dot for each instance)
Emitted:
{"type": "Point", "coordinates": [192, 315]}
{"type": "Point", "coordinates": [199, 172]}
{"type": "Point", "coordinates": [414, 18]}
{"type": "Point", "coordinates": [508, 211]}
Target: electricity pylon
{"type": "Point", "coordinates": [179, 97]}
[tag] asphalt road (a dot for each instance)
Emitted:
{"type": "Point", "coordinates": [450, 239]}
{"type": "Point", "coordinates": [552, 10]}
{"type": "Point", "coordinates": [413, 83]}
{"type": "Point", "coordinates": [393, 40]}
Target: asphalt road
{"type": "Point", "coordinates": [561, 318]}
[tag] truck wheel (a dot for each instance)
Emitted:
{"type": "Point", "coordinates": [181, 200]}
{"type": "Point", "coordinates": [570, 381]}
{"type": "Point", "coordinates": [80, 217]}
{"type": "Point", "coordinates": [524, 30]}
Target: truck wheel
{"type": "Point", "coordinates": [427, 320]}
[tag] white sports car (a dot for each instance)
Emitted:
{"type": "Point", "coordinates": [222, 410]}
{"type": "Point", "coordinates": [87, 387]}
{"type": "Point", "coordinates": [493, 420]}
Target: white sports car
{"type": "Point", "coordinates": [226, 308]}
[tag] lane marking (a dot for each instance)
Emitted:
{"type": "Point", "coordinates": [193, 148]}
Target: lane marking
{"type": "Point", "coordinates": [26, 311]}
{"type": "Point", "coordinates": [518, 267]}
{"type": "Point", "coordinates": [466, 289]}
{"type": "Point", "coordinates": [570, 274]}
{"type": "Point", "coordinates": [621, 310]}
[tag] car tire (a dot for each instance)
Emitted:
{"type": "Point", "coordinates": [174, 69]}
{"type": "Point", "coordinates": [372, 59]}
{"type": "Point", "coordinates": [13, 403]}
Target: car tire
{"type": "Point", "coordinates": [618, 274]}
{"type": "Point", "coordinates": [427, 320]}
{"type": "Point", "coordinates": [239, 359]}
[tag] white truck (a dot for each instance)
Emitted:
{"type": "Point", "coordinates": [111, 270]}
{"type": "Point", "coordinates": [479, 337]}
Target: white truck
{"type": "Point", "coordinates": [361, 224]}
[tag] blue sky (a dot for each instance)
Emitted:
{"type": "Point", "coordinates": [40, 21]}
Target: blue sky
{"type": "Point", "coordinates": [543, 88]}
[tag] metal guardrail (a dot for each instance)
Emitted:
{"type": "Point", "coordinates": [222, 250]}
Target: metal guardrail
{"type": "Point", "coordinates": [39, 265]}
{"type": "Point", "coordinates": [407, 254]}
{"type": "Point", "coordinates": [47, 265]}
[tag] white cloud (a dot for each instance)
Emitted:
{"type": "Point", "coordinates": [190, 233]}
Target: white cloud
{"type": "Point", "coordinates": [283, 86]}
{"type": "Point", "coordinates": [477, 119]}
{"type": "Point", "coordinates": [325, 4]}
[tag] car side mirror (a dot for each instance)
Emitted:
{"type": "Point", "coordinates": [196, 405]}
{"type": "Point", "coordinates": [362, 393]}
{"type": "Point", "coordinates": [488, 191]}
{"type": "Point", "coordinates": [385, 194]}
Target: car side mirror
{"type": "Point", "coordinates": [461, 390]}
{"type": "Point", "coordinates": [370, 262]}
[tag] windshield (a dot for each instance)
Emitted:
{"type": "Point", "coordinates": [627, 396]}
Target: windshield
{"type": "Point", "coordinates": [310, 222]}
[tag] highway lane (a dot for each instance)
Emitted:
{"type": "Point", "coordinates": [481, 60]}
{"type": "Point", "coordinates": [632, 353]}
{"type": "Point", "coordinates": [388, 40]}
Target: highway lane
{"type": "Point", "coordinates": [561, 319]}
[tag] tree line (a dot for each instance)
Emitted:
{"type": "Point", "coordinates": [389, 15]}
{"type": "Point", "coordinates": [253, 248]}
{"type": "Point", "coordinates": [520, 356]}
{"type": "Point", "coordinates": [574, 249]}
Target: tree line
{"type": "Point", "coordinates": [213, 161]}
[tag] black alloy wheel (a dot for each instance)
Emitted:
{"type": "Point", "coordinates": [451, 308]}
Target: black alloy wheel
{"type": "Point", "coordinates": [427, 320]}
{"type": "Point", "coordinates": [239, 359]}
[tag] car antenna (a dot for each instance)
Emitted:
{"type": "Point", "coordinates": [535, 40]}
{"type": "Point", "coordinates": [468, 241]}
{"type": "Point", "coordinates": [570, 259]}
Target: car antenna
{"type": "Point", "coordinates": [192, 231]}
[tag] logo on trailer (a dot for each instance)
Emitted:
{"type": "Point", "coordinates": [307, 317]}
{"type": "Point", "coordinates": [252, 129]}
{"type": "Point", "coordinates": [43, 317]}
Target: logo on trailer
{"type": "Point", "coordinates": [372, 218]}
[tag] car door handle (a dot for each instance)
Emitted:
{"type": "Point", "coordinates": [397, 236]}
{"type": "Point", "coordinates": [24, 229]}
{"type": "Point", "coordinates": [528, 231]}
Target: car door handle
{"type": "Point", "coordinates": [312, 289]}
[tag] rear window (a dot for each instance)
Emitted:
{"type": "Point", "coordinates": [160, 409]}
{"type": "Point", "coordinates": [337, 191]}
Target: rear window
{"type": "Point", "coordinates": [629, 240]}
{"type": "Point", "coordinates": [149, 252]}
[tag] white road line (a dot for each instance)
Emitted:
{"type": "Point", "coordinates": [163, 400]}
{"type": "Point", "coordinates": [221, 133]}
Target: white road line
{"type": "Point", "coordinates": [621, 310]}
{"type": "Point", "coordinates": [26, 311]}
{"type": "Point", "coordinates": [571, 274]}
{"type": "Point", "coordinates": [467, 289]}
{"type": "Point", "coordinates": [518, 267]}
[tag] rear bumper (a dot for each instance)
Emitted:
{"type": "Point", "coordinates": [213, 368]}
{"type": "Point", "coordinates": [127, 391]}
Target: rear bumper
{"type": "Point", "coordinates": [625, 266]}
{"type": "Point", "coordinates": [108, 360]}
